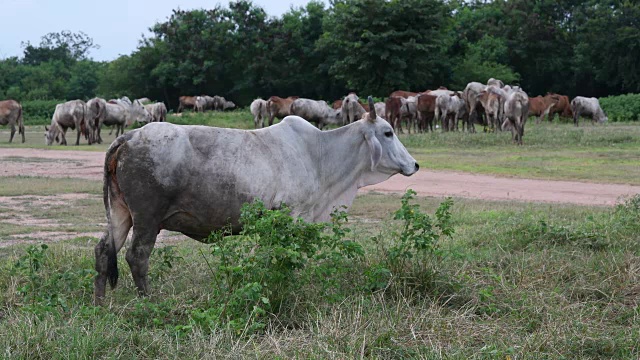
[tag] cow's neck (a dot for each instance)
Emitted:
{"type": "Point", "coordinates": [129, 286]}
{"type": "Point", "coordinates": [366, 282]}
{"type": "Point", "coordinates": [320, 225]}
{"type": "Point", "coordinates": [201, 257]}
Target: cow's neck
{"type": "Point", "coordinates": [343, 156]}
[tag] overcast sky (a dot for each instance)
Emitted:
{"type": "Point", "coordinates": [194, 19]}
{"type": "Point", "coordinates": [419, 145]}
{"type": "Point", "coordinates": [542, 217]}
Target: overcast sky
{"type": "Point", "coordinates": [116, 27]}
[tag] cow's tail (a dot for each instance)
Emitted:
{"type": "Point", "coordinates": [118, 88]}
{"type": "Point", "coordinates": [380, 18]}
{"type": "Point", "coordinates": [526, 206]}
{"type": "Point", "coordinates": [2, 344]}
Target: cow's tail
{"type": "Point", "coordinates": [111, 190]}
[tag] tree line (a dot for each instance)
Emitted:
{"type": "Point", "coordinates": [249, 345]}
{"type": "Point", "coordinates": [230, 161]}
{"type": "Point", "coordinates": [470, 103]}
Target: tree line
{"type": "Point", "coordinates": [588, 48]}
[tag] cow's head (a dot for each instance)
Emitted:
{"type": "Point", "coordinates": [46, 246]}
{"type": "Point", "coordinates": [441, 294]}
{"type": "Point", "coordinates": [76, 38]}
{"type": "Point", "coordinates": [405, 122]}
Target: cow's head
{"type": "Point", "coordinates": [139, 113]}
{"type": "Point", "coordinates": [51, 134]}
{"type": "Point", "coordinates": [388, 155]}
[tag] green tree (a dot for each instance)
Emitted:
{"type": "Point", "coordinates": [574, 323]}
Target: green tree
{"type": "Point", "coordinates": [378, 46]}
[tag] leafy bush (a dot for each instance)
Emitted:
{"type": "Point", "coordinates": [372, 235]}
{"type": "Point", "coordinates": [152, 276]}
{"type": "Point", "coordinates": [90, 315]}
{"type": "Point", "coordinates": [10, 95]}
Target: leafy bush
{"type": "Point", "coordinates": [254, 273]}
{"type": "Point", "coordinates": [622, 107]}
{"type": "Point", "coordinates": [416, 248]}
{"type": "Point", "coordinates": [39, 112]}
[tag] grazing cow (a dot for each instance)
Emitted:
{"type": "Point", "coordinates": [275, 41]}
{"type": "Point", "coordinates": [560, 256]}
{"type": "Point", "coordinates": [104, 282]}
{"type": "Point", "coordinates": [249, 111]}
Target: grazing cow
{"type": "Point", "coordinates": [316, 111]}
{"type": "Point", "coordinates": [70, 114]}
{"type": "Point", "coordinates": [96, 112]}
{"type": "Point", "coordinates": [562, 107]}
{"type": "Point", "coordinates": [228, 105]}
{"type": "Point", "coordinates": [187, 102]}
{"type": "Point", "coordinates": [491, 103]}
{"type": "Point", "coordinates": [121, 114]}
{"type": "Point", "coordinates": [541, 105]}
{"type": "Point", "coordinates": [158, 111]}
{"type": "Point", "coordinates": [194, 180]}
{"type": "Point", "coordinates": [337, 104]}
{"type": "Point", "coordinates": [393, 106]}
{"type": "Point", "coordinates": [402, 93]}
{"type": "Point", "coordinates": [351, 109]}
{"type": "Point", "coordinates": [474, 107]}
{"type": "Point", "coordinates": [279, 107]}
{"type": "Point", "coordinates": [582, 106]}
{"type": "Point", "coordinates": [259, 111]}
{"type": "Point", "coordinates": [426, 110]}
{"type": "Point", "coordinates": [11, 114]}
{"type": "Point", "coordinates": [516, 109]}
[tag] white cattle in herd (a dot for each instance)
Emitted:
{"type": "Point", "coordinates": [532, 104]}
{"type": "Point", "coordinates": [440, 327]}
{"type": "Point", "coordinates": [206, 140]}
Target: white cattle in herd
{"type": "Point", "coordinates": [316, 111]}
{"type": "Point", "coordinates": [582, 106]}
{"type": "Point", "coordinates": [259, 111]}
{"type": "Point", "coordinates": [351, 109]}
{"type": "Point", "coordinates": [68, 115]}
{"type": "Point", "coordinates": [195, 179]}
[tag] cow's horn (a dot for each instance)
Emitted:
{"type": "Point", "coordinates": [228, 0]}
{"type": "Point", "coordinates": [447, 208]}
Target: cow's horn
{"type": "Point", "coordinates": [372, 109]}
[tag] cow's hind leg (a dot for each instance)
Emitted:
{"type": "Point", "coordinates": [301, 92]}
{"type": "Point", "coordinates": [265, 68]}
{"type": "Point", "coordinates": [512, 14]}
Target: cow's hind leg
{"type": "Point", "coordinates": [144, 238]}
{"type": "Point", "coordinates": [116, 235]}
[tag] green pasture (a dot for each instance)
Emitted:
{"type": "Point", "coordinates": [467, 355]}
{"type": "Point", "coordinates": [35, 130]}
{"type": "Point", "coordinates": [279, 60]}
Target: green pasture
{"type": "Point", "coordinates": [516, 280]}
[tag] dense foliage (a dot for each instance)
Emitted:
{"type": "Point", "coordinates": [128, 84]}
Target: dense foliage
{"type": "Point", "coordinates": [589, 48]}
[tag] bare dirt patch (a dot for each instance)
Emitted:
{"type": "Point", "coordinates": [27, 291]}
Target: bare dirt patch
{"type": "Point", "coordinates": [51, 163]}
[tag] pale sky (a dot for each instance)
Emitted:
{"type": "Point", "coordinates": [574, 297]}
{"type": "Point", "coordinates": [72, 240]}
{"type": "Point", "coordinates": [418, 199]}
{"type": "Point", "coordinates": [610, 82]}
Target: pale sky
{"type": "Point", "coordinates": [115, 25]}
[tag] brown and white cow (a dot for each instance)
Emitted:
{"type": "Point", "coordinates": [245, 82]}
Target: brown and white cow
{"type": "Point", "coordinates": [426, 109]}
{"type": "Point", "coordinates": [187, 102]}
{"type": "Point", "coordinates": [541, 105]}
{"type": "Point", "coordinates": [279, 107]}
{"type": "Point", "coordinates": [562, 107]}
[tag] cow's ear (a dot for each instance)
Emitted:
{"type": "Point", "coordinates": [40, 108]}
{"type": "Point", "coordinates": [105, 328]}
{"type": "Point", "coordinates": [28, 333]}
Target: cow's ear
{"type": "Point", "coordinates": [46, 128]}
{"type": "Point", "coordinates": [375, 147]}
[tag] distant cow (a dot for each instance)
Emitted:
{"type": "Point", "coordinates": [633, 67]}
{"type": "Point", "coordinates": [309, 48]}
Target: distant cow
{"type": "Point", "coordinates": [351, 109]}
{"type": "Point", "coordinates": [582, 106]}
{"type": "Point", "coordinates": [68, 115]}
{"type": "Point", "coordinates": [228, 105]}
{"type": "Point", "coordinates": [426, 109]}
{"type": "Point", "coordinates": [495, 82]}
{"type": "Point", "coordinates": [474, 107]}
{"type": "Point", "coordinates": [491, 103]}
{"type": "Point", "coordinates": [393, 106]}
{"type": "Point", "coordinates": [96, 112]}
{"type": "Point", "coordinates": [402, 93]}
{"type": "Point", "coordinates": [122, 114]}
{"type": "Point", "coordinates": [204, 103]}
{"type": "Point", "coordinates": [158, 111]}
{"type": "Point", "coordinates": [187, 102]}
{"type": "Point", "coordinates": [409, 112]}
{"type": "Point", "coordinates": [279, 107]}
{"type": "Point", "coordinates": [562, 107]}
{"type": "Point", "coordinates": [11, 114]}
{"type": "Point", "coordinates": [316, 111]}
{"type": "Point", "coordinates": [516, 109]}
{"type": "Point", "coordinates": [541, 105]}
{"type": "Point", "coordinates": [259, 111]}
{"type": "Point", "coordinates": [442, 110]}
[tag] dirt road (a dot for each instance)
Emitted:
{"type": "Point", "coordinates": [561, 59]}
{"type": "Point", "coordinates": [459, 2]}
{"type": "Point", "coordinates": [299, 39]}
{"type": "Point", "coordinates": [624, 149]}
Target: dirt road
{"type": "Point", "coordinates": [89, 165]}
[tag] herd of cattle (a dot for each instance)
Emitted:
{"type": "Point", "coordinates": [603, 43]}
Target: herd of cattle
{"type": "Point", "coordinates": [497, 106]}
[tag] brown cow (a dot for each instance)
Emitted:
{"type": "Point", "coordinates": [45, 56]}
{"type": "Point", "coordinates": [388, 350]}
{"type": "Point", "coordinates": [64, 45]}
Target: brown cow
{"type": "Point", "coordinates": [187, 102]}
{"type": "Point", "coordinates": [279, 107]}
{"type": "Point", "coordinates": [402, 93]}
{"type": "Point", "coordinates": [393, 105]}
{"type": "Point", "coordinates": [426, 111]}
{"type": "Point", "coordinates": [562, 107]}
{"type": "Point", "coordinates": [337, 104]}
{"type": "Point", "coordinates": [11, 114]}
{"type": "Point", "coordinates": [540, 105]}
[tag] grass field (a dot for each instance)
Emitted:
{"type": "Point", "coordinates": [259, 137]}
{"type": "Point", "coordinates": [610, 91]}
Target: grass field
{"type": "Point", "coordinates": [515, 280]}
{"type": "Point", "coordinates": [604, 153]}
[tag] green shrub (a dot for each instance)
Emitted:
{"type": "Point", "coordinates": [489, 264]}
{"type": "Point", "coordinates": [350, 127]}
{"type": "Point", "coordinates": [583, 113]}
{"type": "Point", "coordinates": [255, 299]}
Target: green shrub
{"type": "Point", "coordinates": [622, 107]}
{"type": "Point", "coordinates": [39, 112]}
{"type": "Point", "coordinates": [255, 273]}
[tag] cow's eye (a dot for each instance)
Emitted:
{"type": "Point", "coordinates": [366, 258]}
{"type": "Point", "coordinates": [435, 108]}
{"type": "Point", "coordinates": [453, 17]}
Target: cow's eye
{"type": "Point", "coordinates": [388, 134]}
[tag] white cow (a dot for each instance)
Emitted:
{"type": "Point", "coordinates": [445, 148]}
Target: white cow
{"type": "Point", "coordinates": [158, 111]}
{"type": "Point", "coordinates": [582, 106]}
{"type": "Point", "coordinates": [259, 111]}
{"type": "Point", "coordinates": [316, 111]}
{"type": "Point", "coordinates": [121, 114]}
{"type": "Point", "coordinates": [195, 179]}
{"type": "Point", "coordinates": [351, 109]}
{"type": "Point", "coordinates": [68, 115]}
